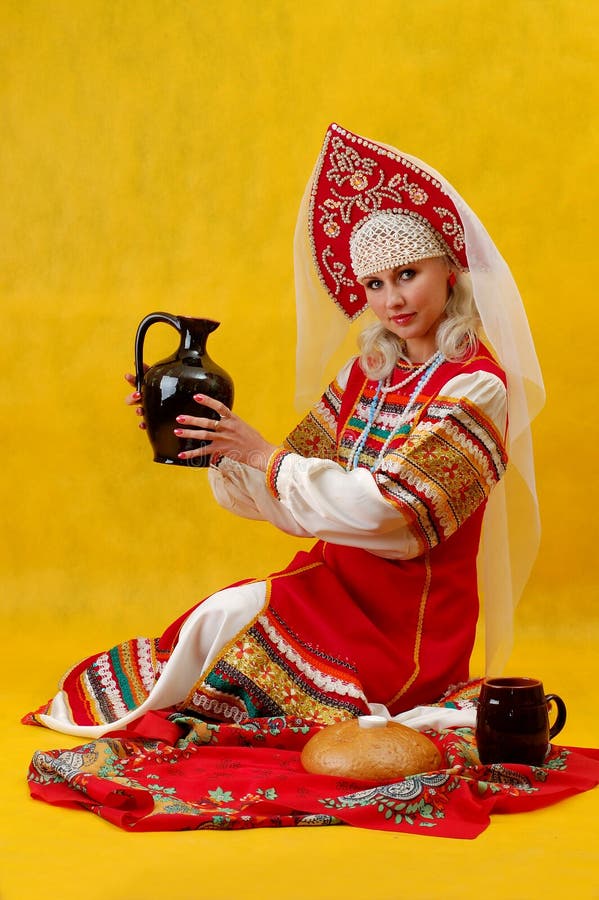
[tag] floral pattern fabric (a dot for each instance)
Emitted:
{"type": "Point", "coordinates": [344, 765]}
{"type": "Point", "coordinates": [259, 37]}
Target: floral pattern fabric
{"type": "Point", "coordinates": [178, 772]}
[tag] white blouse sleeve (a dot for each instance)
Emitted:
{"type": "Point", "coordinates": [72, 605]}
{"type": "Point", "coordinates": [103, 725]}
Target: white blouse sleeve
{"type": "Point", "coordinates": [243, 490]}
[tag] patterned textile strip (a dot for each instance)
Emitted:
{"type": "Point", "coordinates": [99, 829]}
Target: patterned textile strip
{"type": "Point", "coordinates": [316, 434]}
{"type": "Point", "coordinates": [273, 469]}
{"type": "Point", "coordinates": [269, 671]}
{"type": "Point", "coordinates": [418, 636]}
{"type": "Point", "coordinates": [103, 688]}
{"type": "Point", "coordinates": [445, 469]}
{"type": "Point", "coordinates": [437, 475]}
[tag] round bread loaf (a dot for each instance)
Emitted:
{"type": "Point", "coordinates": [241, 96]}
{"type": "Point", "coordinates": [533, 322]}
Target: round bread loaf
{"type": "Point", "coordinates": [369, 750]}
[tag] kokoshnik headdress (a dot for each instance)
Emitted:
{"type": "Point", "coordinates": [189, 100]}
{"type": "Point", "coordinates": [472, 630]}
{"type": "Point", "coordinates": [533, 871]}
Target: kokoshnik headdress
{"type": "Point", "coordinates": [369, 205]}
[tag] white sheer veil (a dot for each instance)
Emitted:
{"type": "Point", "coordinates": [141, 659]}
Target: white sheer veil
{"type": "Point", "coordinates": [511, 529]}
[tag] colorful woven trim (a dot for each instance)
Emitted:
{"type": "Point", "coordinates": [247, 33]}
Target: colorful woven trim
{"type": "Point", "coordinates": [272, 471]}
{"type": "Point", "coordinates": [444, 471]}
{"type": "Point", "coordinates": [440, 473]}
{"type": "Point", "coordinates": [102, 689]}
{"type": "Point", "coordinates": [270, 671]}
{"type": "Point", "coordinates": [316, 434]}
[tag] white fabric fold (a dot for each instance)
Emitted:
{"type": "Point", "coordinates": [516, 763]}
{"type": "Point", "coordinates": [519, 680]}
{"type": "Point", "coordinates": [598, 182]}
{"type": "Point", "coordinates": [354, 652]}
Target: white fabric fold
{"type": "Point", "coordinates": [204, 634]}
{"type": "Point", "coordinates": [422, 718]}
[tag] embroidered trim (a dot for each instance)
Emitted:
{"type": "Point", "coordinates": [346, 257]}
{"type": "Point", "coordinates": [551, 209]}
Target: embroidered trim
{"type": "Point", "coordinates": [324, 682]}
{"type": "Point", "coordinates": [272, 470]}
{"type": "Point", "coordinates": [439, 474]}
{"type": "Point", "coordinates": [233, 641]}
{"type": "Point", "coordinates": [418, 639]}
{"type": "Point", "coordinates": [217, 708]}
{"type": "Point", "coordinates": [316, 434]}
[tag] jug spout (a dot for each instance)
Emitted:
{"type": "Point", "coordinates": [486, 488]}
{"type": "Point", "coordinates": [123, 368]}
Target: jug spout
{"type": "Point", "coordinates": [194, 333]}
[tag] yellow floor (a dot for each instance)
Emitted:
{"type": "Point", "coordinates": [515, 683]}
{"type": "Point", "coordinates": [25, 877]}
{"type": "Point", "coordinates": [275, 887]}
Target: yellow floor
{"type": "Point", "coordinates": [70, 855]}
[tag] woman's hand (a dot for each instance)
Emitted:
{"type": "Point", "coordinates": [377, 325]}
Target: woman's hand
{"type": "Point", "coordinates": [228, 435]}
{"type": "Point", "coordinates": [134, 399]}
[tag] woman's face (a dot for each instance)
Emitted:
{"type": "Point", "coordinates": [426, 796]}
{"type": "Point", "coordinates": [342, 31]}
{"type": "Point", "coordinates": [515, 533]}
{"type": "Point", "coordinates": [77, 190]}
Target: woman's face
{"type": "Point", "coordinates": [410, 302]}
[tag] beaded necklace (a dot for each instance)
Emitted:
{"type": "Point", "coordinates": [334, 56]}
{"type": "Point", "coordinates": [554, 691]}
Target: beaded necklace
{"type": "Point", "coordinates": [402, 426]}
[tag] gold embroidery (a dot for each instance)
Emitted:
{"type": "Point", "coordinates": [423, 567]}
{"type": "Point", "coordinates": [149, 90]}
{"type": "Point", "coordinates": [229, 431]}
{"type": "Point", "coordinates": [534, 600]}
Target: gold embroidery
{"type": "Point", "coordinates": [228, 646]}
{"type": "Point", "coordinates": [316, 434]}
{"type": "Point", "coordinates": [445, 469]}
{"type": "Point", "coordinates": [252, 660]}
{"type": "Point", "coordinates": [245, 654]}
{"type": "Point", "coordinates": [418, 639]}
{"type": "Point", "coordinates": [288, 574]}
{"type": "Point", "coordinates": [441, 472]}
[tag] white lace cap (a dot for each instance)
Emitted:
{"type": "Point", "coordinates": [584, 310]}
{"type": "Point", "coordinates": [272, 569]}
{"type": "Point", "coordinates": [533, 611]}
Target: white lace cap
{"type": "Point", "coordinates": [387, 239]}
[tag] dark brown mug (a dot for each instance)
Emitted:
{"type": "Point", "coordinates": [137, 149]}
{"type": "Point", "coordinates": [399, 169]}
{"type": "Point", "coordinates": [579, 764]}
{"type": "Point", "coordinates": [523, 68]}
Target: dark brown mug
{"type": "Point", "coordinates": [512, 722]}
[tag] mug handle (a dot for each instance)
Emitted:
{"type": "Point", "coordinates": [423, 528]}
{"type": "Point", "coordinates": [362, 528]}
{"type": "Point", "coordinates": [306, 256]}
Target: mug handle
{"type": "Point", "coordinates": [561, 714]}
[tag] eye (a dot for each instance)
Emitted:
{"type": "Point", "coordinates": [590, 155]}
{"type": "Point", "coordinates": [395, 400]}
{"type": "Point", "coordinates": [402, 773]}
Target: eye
{"type": "Point", "coordinates": [373, 284]}
{"type": "Point", "coordinates": [406, 274]}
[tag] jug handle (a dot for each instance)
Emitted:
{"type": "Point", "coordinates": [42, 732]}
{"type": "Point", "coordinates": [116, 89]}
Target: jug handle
{"type": "Point", "coordinates": [139, 340]}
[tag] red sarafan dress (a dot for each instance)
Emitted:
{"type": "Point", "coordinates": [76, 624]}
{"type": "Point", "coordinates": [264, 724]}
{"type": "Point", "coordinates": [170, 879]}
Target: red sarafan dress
{"type": "Point", "coordinates": [381, 611]}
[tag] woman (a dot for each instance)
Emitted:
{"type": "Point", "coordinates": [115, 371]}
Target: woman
{"type": "Point", "coordinates": [390, 471]}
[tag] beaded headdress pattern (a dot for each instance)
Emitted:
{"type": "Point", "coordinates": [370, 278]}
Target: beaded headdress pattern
{"type": "Point", "coordinates": [357, 179]}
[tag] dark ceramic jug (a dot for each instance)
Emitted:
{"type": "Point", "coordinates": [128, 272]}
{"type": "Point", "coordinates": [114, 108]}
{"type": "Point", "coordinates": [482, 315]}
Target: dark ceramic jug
{"type": "Point", "coordinates": [168, 387]}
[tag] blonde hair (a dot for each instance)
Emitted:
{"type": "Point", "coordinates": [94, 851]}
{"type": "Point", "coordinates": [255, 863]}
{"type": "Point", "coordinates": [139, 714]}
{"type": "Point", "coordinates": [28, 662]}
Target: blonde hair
{"type": "Point", "coordinates": [457, 334]}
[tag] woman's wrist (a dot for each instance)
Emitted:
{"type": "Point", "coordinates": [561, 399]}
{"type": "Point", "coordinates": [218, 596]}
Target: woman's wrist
{"type": "Point", "coordinates": [259, 458]}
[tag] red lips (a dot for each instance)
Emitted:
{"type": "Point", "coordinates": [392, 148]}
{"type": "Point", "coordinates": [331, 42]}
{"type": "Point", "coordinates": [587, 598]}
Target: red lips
{"type": "Point", "coordinates": [403, 320]}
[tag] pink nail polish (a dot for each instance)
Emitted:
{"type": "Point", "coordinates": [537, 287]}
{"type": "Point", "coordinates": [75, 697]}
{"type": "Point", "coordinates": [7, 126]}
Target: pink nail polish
{"type": "Point", "coordinates": [198, 397]}
{"type": "Point", "coordinates": [181, 456]}
{"type": "Point", "coordinates": [181, 419]}
{"type": "Point", "coordinates": [178, 431]}
{"type": "Point", "coordinates": [137, 395]}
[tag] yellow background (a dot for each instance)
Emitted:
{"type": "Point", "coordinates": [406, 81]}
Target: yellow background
{"type": "Point", "coordinates": [152, 157]}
